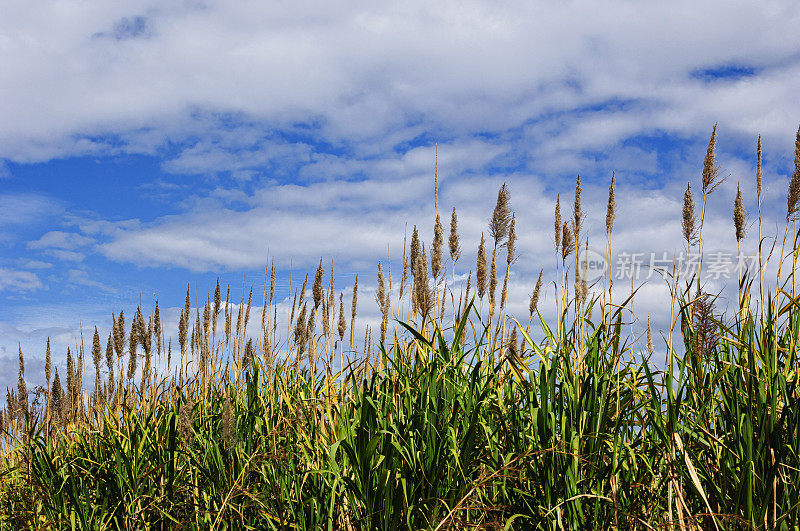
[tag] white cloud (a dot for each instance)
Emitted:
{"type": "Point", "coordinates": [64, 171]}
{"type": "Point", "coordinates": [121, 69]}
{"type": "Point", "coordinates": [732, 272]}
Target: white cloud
{"type": "Point", "coordinates": [20, 281]}
{"type": "Point", "coordinates": [65, 256]}
{"type": "Point", "coordinates": [24, 208]}
{"type": "Point", "coordinates": [356, 73]}
{"type": "Point", "coordinates": [57, 239]}
{"type": "Point", "coordinates": [34, 264]}
{"type": "Point", "coordinates": [345, 208]}
{"type": "Point", "coordinates": [80, 276]}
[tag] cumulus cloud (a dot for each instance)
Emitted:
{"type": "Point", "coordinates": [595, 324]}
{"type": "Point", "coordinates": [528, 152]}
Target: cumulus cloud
{"type": "Point", "coordinates": [19, 209]}
{"type": "Point", "coordinates": [57, 239]}
{"type": "Point", "coordinates": [14, 280]}
{"type": "Point", "coordinates": [65, 256]}
{"type": "Point", "coordinates": [357, 75]}
{"type": "Point", "coordinates": [34, 264]}
{"type": "Point", "coordinates": [82, 277]}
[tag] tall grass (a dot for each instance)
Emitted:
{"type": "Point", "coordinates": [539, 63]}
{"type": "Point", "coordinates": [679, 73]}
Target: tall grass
{"type": "Point", "coordinates": [452, 418]}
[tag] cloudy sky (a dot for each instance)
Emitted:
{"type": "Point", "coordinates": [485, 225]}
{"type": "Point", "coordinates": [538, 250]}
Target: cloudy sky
{"type": "Point", "coordinates": [146, 146]}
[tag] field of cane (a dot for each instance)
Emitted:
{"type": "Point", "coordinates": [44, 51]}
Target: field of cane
{"type": "Point", "coordinates": [451, 415]}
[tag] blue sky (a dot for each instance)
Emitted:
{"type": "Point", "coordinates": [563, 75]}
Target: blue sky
{"type": "Point", "coordinates": [148, 145]}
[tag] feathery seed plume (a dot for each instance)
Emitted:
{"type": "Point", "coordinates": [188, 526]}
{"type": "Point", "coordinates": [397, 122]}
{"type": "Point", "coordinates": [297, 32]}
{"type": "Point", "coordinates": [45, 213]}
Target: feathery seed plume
{"type": "Point", "coordinates": [187, 305]}
{"type": "Point", "coordinates": [56, 397]}
{"type": "Point", "coordinates": [342, 325]}
{"type": "Point", "coordinates": [300, 337]}
{"type": "Point", "coordinates": [578, 287]}
{"type": "Point", "coordinates": [480, 274]}
{"type": "Point", "coordinates": [240, 314]}
{"type": "Point", "coordinates": [12, 403]}
{"type": "Point", "coordinates": [183, 330]}
{"type": "Point", "coordinates": [147, 345]}
{"type": "Point", "coordinates": [214, 313]}
{"type": "Point", "coordinates": [793, 197]}
{"type": "Point", "coordinates": [710, 169]}
{"type": "Point", "coordinates": [145, 332]}
{"type": "Point", "coordinates": [612, 204]}
{"type": "Point", "coordinates": [414, 251]}
{"type": "Point", "coordinates": [501, 217]}
{"type": "Point", "coordinates": [584, 273]}
{"type": "Point", "coordinates": [688, 222]}
{"type": "Point", "coordinates": [272, 282]}
{"type": "Point", "coordinates": [759, 174]}
{"type": "Point", "coordinates": [217, 299]}
{"type": "Point", "coordinates": [96, 357]}
{"type": "Point", "coordinates": [110, 363]}
{"type": "Point", "coordinates": [294, 307]}
{"type": "Point", "coordinates": [22, 389]}
{"type": "Point", "coordinates": [577, 218]}
{"type": "Point", "coordinates": [383, 302]}
{"type": "Point", "coordinates": [263, 328]}
{"type": "Point", "coordinates": [423, 298]}
{"type": "Point", "coordinates": [355, 299]}
{"type": "Point", "coordinates": [493, 278]}
{"type": "Point", "coordinates": [247, 310]}
{"type": "Point", "coordinates": [535, 295]}
{"type": "Point", "coordinates": [110, 353]}
{"type": "Point", "coordinates": [316, 290]}
{"type": "Point", "coordinates": [567, 244]}
{"type": "Point", "coordinates": [512, 340]}
{"type": "Point", "coordinates": [157, 330]}
{"type": "Point", "coordinates": [97, 351]}
{"type": "Point", "coordinates": [353, 313]}
{"type": "Point", "coordinates": [455, 246]}
{"type": "Point", "coordinates": [47, 363]}
{"type": "Point", "coordinates": [330, 309]}
{"type": "Point", "coordinates": [444, 299]}
{"type": "Point", "coordinates": [193, 341]}
{"type": "Point", "coordinates": [133, 343]}
{"type": "Point", "coordinates": [185, 420]}
{"type": "Point", "coordinates": [512, 239]}
{"type": "Point", "coordinates": [228, 314]}
{"type": "Point", "coordinates": [206, 317]}
{"type": "Point", "coordinates": [436, 248]}
{"type": "Point", "coordinates": [71, 385]}
{"type": "Point", "coordinates": [326, 308]}
{"type": "Point", "coordinates": [79, 379]}
{"type": "Point", "coordinates": [738, 215]}
{"type": "Point", "coordinates": [199, 343]}
{"type": "Point", "coordinates": [119, 334]}
{"type": "Point", "coordinates": [311, 325]}
{"type": "Point", "coordinates": [389, 277]}
{"type": "Point", "coordinates": [504, 291]}
{"type": "Point", "coordinates": [558, 223]}
{"type": "Point", "coordinates": [133, 339]}
{"type": "Point", "coordinates": [649, 338]}
{"type": "Point", "coordinates": [303, 290]}
{"type": "Point", "coordinates": [405, 267]}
